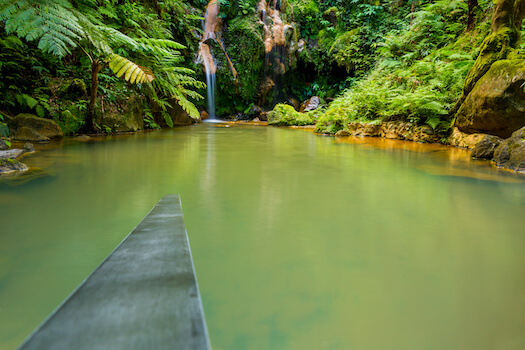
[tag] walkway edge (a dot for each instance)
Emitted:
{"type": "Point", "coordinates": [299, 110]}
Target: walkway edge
{"type": "Point", "coordinates": [144, 295]}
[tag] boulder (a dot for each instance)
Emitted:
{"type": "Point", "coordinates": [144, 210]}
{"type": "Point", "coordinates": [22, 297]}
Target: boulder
{"type": "Point", "coordinates": [11, 153]}
{"type": "Point", "coordinates": [496, 104]}
{"type": "Point", "coordinates": [204, 115]}
{"type": "Point", "coordinates": [263, 116]}
{"type": "Point", "coordinates": [9, 166]}
{"type": "Point", "coordinates": [29, 147]}
{"type": "Point", "coordinates": [310, 104]}
{"type": "Point", "coordinates": [3, 145]}
{"type": "Point", "coordinates": [286, 115]}
{"type": "Point", "coordinates": [485, 148]}
{"type": "Point", "coordinates": [29, 134]}
{"type": "Point", "coordinates": [510, 153]}
{"type": "Point", "coordinates": [342, 133]}
{"type": "Point", "coordinates": [45, 127]}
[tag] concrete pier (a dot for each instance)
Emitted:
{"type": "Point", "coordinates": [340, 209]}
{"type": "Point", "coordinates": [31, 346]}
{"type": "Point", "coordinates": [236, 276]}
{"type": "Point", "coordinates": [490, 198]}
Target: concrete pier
{"type": "Point", "coordinates": [143, 296]}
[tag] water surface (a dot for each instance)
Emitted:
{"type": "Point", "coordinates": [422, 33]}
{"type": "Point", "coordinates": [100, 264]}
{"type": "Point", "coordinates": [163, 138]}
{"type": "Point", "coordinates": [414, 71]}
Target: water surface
{"type": "Point", "coordinates": [299, 241]}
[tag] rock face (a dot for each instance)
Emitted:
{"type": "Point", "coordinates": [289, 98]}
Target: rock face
{"type": "Point", "coordinates": [464, 140]}
{"type": "Point", "coordinates": [29, 134]}
{"type": "Point", "coordinates": [45, 127]}
{"type": "Point", "coordinates": [129, 118]}
{"type": "Point", "coordinates": [485, 148]}
{"type": "Point", "coordinates": [510, 153]}
{"type": "Point", "coordinates": [496, 104]}
{"type": "Point", "coordinates": [310, 104]}
{"type": "Point", "coordinates": [394, 130]}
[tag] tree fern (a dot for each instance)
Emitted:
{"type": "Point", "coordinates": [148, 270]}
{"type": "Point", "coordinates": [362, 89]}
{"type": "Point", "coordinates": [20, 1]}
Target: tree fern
{"type": "Point", "coordinates": [49, 21]}
{"type": "Point", "coordinates": [131, 71]}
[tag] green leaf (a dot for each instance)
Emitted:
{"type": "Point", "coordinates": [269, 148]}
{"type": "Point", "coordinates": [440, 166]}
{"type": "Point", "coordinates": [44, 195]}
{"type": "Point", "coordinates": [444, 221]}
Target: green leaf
{"type": "Point", "coordinates": [40, 111]}
{"type": "Point", "coordinates": [167, 118]}
{"type": "Point", "coordinates": [31, 102]}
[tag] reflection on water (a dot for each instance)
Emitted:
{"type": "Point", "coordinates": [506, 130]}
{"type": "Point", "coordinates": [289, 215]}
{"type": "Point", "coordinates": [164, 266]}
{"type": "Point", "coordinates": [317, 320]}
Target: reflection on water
{"type": "Point", "coordinates": [299, 241]}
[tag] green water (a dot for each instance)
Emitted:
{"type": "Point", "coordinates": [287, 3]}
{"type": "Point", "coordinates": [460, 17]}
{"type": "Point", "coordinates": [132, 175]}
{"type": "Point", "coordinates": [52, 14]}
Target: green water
{"type": "Point", "coordinates": [299, 241]}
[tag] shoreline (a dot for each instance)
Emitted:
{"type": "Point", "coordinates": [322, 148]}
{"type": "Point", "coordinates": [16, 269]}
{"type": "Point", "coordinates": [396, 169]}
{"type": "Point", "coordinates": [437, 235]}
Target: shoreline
{"type": "Point", "coordinates": [376, 141]}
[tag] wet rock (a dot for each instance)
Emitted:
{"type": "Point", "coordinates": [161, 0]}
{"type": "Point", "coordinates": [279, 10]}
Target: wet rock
{"type": "Point", "coordinates": [263, 116]}
{"type": "Point", "coordinates": [28, 147]}
{"type": "Point", "coordinates": [11, 153]}
{"type": "Point", "coordinates": [496, 104]}
{"type": "Point", "coordinates": [10, 166]}
{"type": "Point", "coordinates": [510, 153]}
{"type": "Point", "coordinates": [364, 129]}
{"type": "Point", "coordinates": [342, 133]}
{"type": "Point", "coordinates": [309, 105]}
{"type": "Point", "coordinates": [256, 120]}
{"type": "Point", "coordinates": [485, 148]}
{"type": "Point", "coordinates": [464, 140]}
{"type": "Point", "coordinates": [29, 134]}
{"type": "Point", "coordinates": [45, 127]}
{"type": "Point", "coordinates": [3, 145]}
{"type": "Point", "coordinates": [83, 138]}
{"type": "Point", "coordinates": [254, 112]}
{"type": "Point", "coordinates": [204, 115]}
{"type": "Point", "coordinates": [294, 103]}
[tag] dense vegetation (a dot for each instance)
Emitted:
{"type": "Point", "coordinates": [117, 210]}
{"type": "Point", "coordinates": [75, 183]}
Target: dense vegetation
{"type": "Point", "coordinates": [367, 60]}
{"type": "Point", "coordinates": [52, 49]}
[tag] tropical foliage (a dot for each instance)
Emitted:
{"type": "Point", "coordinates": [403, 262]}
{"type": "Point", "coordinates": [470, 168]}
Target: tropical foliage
{"type": "Point", "coordinates": [130, 39]}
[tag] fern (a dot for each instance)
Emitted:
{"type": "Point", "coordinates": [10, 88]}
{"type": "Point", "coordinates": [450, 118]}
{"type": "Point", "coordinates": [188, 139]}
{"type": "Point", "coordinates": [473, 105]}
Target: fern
{"type": "Point", "coordinates": [132, 72]}
{"type": "Point", "coordinates": [51, 22]}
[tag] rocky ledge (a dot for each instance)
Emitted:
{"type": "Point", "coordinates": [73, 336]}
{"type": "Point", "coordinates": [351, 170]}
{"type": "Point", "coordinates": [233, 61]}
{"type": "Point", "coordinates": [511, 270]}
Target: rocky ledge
{"type": "Point", "coordinates": [9, 163]}
{"type": "Point", "coordinates": [391, 130]}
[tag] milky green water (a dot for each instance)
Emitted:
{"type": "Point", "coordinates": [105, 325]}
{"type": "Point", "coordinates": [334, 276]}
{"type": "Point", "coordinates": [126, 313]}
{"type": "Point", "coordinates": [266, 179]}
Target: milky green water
{"type": "Point", "coordinates": [299, 241]}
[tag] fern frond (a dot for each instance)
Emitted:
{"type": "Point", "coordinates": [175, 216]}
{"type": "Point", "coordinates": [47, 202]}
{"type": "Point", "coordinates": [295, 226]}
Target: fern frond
{"type": "Point", "coordinates": [132, 72]}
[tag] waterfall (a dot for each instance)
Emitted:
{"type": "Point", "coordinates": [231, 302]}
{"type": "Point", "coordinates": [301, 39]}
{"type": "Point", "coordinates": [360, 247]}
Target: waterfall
{"type": "Point", "coordinates": [209, 68]}
{"type": "Point", "coordinates": [205, 56]}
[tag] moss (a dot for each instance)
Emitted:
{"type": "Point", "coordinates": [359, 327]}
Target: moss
{"type": "Point", "coordinates": [495, 47]}
{"type": "Point", "coordinates": [332, 121]}
{"type": "Point", "coordinates": [286, 115]}
{"type": "Point", "coordinates": [244, 44]}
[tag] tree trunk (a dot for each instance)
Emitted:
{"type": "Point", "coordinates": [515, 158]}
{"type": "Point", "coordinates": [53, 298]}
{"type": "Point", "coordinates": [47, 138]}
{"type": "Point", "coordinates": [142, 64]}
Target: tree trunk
{"type": "Point", "coordinates": [90, 126]}
{"type": "Point", "coordinates": [471, 19]}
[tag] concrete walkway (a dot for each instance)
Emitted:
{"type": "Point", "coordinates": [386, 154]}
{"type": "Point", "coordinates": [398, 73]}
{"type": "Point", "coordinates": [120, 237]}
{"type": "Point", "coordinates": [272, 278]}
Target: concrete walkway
{"type": "Point", "coordinates": [143, 296]}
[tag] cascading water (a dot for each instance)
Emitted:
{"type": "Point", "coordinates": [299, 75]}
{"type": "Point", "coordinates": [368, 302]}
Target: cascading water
{"type": "Point", "coordinates": [205, 56]}
{"type": "Point", "coordinates": [209, 68]}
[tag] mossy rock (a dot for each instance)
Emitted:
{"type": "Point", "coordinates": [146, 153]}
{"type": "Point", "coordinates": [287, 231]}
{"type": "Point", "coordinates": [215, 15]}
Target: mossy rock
{"type": "Point", "coordinates": [510, 153]}
{"type": "Point", "coordinates": [9, 166]}
{"type": "Point", "coordinates": [124, 116]}
{"type": "Point", "coordinates": [332, 121]}
{"type": "Point", "coordinates": [26, 133]}
{"type": "Point", "coordinates": [496, 104]}
{"type": "Point", "coordinates": [286, 115]}
{"type": "Point", "coordinates": [46, 127]}
{"type": "Point", "coordinates": [76, 90]}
